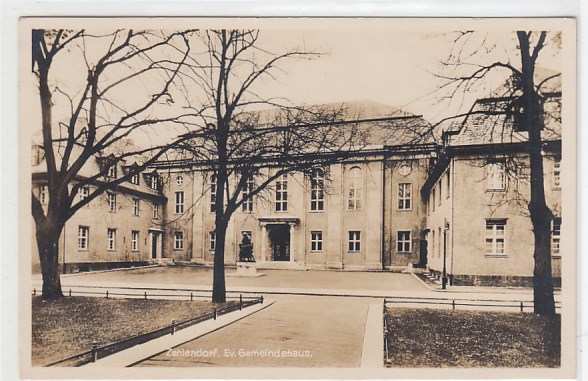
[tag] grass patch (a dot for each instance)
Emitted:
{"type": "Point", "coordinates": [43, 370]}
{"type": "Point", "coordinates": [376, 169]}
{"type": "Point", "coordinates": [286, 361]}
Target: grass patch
{"type": "Point", "coordinates": [449, 338]}
{"type": "Point", "coordinates": [68, 326]}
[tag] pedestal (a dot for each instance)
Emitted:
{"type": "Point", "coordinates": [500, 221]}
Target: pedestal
{"type": "Point", "coordinates": [246, 270]}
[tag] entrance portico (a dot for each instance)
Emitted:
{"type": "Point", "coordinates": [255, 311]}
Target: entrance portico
{"type": "Point", "coordinates": [155, 244]}
{"type": "Point", "coordinates": [278, 242]}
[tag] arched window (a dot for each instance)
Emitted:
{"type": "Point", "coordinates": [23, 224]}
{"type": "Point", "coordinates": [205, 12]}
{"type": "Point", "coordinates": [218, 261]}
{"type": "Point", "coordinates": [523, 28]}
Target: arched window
{"type": "Point", "coordinates": [355, 187]}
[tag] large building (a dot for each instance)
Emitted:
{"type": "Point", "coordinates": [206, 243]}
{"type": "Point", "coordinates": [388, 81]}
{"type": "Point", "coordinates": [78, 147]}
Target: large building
{"type": "Point", "coordinates": [446, 202]}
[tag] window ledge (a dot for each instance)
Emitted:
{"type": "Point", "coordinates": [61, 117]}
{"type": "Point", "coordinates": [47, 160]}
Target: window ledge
{"type": "Point", "coordinates": [556, 256]}
{"type": "Point", "coordinates": [495, 190]}
{"type": "Point", "coordinates": [404, 210]}
{"type": "Point", "coordinates": [496, 255]}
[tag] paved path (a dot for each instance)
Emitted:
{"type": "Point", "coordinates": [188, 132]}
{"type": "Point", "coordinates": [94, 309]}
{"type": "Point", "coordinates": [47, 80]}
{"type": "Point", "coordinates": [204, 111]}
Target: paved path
{"type": "Point", "coordinates": [295, 331]}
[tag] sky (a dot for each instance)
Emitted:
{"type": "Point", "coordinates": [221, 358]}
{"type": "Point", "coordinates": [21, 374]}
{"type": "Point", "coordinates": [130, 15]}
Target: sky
{"type": "Point", "coordinates": [393, 66]}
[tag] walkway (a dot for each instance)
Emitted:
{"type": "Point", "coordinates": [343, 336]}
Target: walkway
{"type": "Point", "coordinates": [296, 331]}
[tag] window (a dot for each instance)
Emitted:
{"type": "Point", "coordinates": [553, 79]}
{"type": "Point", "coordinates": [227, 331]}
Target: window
{"type": "Point", "coordinates": [84, 193]}
{"type": "Point", "coordinates": [135, 179]}
{"type": "Point", "coordinates": [43, 194]}
{"type": "Point", "coordinates": [495, 237]}
{"type": "Point", "coordinates": [111, 240]}
{"type": "Point", "coordinates": [355, 187]}
{"type": "Point", "coordinates": [433, 199]}
{"type": "Point", "coordinates": [404, 196]}
{"type": "Point", "coordinates": [247, 205]}
{"type": "Point", "coordinates": [178, 240]}
{"type": "Point", "coordinates": [179, 180]}
{"type": "Point", "coordinates": [555, 236]}
{"type": "Point", "coordinates": [154, 182]}
{"type": "Point", "coordinates": [432, 243]}
{"type": "Point", "coordinates": [317, 190]}
{"type": "Point", "coordinates": [316, 241]}
{"type": "Point", "coordinates": [556, 173]}
{"type": "Point", "coordinates": [155, 214]}
{"type": "Point", "coordinates": [212, 241]}
{"type": "Point", "coordinates": [179, 202]}
{"type": "Point", "coordinates": [213, 185]}
{"type": "Point", "coordinates": [448, 183]}
{"type": "Point", "coordinates": [439, 188]}
{"type": "Point", "coordinates": [111, 171]}
{"type": "Point", "coordinates": [354, 244]}
{"type": "Point", "coordinates": [282, 193]}
{"type": "Point", "coordinates": [248, 234]}
{"type": "Point", "coordinates": [135, 207]}
{"type": "Point", "coordinates": [495, 176]}
{"type": "Point", "coordinates": [404, 242]}
{"type": "Point", "coordinates": [111, 201]}
{"type": "Point", "coordinates": [134, 240]}
{"type": "Point", "coordinates": [83, 237]}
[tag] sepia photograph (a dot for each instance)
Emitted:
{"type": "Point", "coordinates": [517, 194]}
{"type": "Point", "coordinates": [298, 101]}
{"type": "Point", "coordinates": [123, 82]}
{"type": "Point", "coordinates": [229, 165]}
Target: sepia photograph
{"type": "Point", "coordinates": [297, 197]}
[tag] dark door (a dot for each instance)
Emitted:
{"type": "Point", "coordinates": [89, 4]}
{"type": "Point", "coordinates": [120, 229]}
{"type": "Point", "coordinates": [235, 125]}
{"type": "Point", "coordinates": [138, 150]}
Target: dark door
{"type": "Point", "coordinates": [280, 242]}
{"type": "Point", "coordinates": [153, 245]}
{"type": "Point", "coordinates": [423, 254]}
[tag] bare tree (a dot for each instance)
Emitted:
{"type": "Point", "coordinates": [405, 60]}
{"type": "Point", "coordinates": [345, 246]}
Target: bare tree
{"type": "Point", "coordinates": [518, 111]}
{"type": "Point", "coordinates": [247, 150]}
{"type": "Point", "coordinates": [103, 113]}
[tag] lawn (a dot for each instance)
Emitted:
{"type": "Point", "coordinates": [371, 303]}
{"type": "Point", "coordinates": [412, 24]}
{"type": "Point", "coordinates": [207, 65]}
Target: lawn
{"type": "Point", "coordinates": [69, 326]}
{"type": "Point", "coordinates": [449, 338]}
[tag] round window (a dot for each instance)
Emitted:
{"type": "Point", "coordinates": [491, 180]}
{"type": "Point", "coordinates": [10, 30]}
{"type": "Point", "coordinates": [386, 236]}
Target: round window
{"type": "Point", "coordinates": [404, 169]}
{"type": "Point", "coordinates": [179, 180]}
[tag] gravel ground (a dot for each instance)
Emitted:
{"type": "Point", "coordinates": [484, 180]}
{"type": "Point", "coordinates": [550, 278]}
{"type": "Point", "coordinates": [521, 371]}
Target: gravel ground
{"type": "Point", "coordinates": [68, 326]}
{"type": "Point", "coordinates": [441, 338]}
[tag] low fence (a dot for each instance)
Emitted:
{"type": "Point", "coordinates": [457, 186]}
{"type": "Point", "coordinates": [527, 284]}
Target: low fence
{"type": "Point", "coordinates": [489, 304]}
{"type": "Point", "coordinates": [97, 352]}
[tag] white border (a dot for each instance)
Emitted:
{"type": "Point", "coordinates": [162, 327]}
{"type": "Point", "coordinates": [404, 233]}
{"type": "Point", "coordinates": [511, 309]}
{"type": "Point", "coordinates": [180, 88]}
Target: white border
{"type": "Point", "coordinates": [11, 10]}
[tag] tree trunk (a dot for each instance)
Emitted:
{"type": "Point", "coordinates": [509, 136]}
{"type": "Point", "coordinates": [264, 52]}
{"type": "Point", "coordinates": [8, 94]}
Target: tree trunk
{"type": "Point", "coordinates": [219, 291]}
{"type": "Point", "coordinates": [47, 243]}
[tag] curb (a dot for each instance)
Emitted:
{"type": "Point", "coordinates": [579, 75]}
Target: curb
{"type": "Point", "coordinates": [138, 353]}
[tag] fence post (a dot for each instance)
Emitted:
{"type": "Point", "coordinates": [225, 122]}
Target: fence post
{"type": "Point", "coordinates": [94, 351]}
{"type": "Point", "coordinates": [106, 294]}
{"type": "Point", "coordinates": [34, 291]}
{"type": "Point", "coordinates": [145, 295]}
{"type": "Point", "coordinates": [191, 297]}
{"type": "Point", "coordinates": [240, 302]}
{"type": "Point", "coordinates": [453, 304]}
{"type": "Point", "coordinates": [173, 326]}
{"type": "Point", "coordinates": [261, 298]}
{"type": "Point", "coordinates": [521, 306]}
{"type": "Point", "coordinates": [214, 313]}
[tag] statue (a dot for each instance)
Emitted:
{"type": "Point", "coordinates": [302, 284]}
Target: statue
{"type": "Point", "coordinates": [246, 250]}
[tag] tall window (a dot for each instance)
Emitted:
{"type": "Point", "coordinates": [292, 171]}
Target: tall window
{"type": "Point", "coordinates": [495, 176]}
{"type": "Point", "coordinates": [179, 202]}
{"type": "Point", "coordinates": [112, 171]}
{"type": "Point", "coordinates": [404, 241]}
{"type": "Point", "coordinates": [556, 173]}
{"type": "Point", "coordinates": [432, 197]}
{"type": "Point", "coordinates": [155, 214]}
{"type": "Point", "coordinates": [212, 241]}
{"type": "Point", "coordinates": [355, 188]}
{"type": "Point", "coordinates": [282, 193]}
{"type": "Point", "coordinates": [111, 239]}
{"type": "Point", "coordinates": [134, 240]}
{"type": "Point", "coordinates": [555, 236]}
{"type": "Point", "coordinates": [135, 179]}
{"type": "Point", "coordinates": [316, 241]}
{"type": "Point", "coordinates": [83, 237]}
{"type": "Point", "coordinates": [43, 197]}
{"type": "Point", "coordinates": [154, 183]}
{"type": "Point", "coordinates": [354, 243]}
{"type": "Point", "coordinates": [432, 243]}
{"type": "Point", "coordinates": [213, 185]}
{"type": "Point", "coordinates": [495, 237]}
{"type": "Point", "coordinates": [111, 201]}
{"type": "Point", "coordinates": [448, 183]}
{"type": "Point", "coordinates": [247, 205]}
{"type": "Point", "coordinates": [404, 196]}
{"type": "Point", "coordinates": [317, 189]}
{"type": "Point", "coordinates": [84, 193]}
{"type": "Point", "coordinates": [135, 207]}
{"type": "Point", "coordinates": [178, 240]}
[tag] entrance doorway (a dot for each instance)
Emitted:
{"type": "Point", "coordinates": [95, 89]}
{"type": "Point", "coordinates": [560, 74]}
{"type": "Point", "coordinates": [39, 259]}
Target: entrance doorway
{"type": "Point", "coordinates": [155, 244]}
{"type": "Point", "coordinates": [279, 237]}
